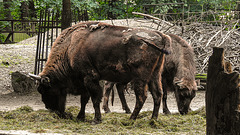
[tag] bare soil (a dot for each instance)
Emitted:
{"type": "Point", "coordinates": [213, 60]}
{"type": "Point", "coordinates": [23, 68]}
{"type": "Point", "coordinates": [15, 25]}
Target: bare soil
{"type": "Point", "coordinates": [14, 100]}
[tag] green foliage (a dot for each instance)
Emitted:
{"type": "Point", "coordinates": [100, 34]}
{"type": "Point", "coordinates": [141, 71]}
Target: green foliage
{"type": "Point", "coordinates": [100, 9]}
{"type": "Point", "coordinates": [120, 9]}
{"type": "Point", "coordinates": [48, 4]}
{"type": "Point", "coordinates": [2, 38]}
{"type": "Point", "coordinates": [201, 76]}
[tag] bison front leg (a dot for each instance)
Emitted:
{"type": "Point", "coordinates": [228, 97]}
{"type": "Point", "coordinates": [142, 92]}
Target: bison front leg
{"type": "Point", "coordinates": [96, 93]}
{"type": "Point", "coordinates": [84, 100]}
{"type": "Point", "coordinates": [140, 89]}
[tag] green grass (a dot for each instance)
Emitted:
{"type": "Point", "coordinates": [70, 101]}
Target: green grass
{"type": "Point", "coordinates": [43, 121]}
{"type": "Point", "coordinates": [18, 36]}
{"type": "Point", "coordinates": [201, 76]}
{"type": "Point", "coordinates": [8, 59]}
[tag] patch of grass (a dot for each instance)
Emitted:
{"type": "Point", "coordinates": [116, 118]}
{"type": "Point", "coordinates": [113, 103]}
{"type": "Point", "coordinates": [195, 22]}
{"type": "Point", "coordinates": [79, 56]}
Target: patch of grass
{"type": "Point", "coordinates": [8, 60]}
{"type": "Point", "coordinates": [43, 121]}
{"type": "Point", "coordinates": [18, 36]}
{"type": "Point", "coordinates": [201, 76]}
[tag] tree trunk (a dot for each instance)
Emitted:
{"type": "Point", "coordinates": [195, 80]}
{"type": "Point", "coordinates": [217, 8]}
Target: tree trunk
{"type": "Point", "coordinates": [111, 6]}
{"type": "Point", "coordinates": [24, 10]}
{"type": "Point", "coordinates": [32, 10]}
{"type": "Point", "coordinates": [66, 14]}
{"type": "Point", "coordinates": [222, 97]}
{"type": "Point", "coordinates": [7, 5]}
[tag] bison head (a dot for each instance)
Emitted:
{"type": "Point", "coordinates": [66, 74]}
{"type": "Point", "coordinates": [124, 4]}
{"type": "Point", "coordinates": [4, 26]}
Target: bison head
{"type": "Point", "coordinates": [53, 96]}
{"type": "Point", "coordinates": [185, 91]}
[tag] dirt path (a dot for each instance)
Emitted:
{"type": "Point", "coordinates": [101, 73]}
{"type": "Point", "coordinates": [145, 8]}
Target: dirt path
{"type": "Point", "coordinates": [13, 100]}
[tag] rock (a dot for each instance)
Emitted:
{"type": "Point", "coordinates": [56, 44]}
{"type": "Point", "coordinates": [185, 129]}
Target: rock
{"type": "Point", "coordinates": [22, 83]}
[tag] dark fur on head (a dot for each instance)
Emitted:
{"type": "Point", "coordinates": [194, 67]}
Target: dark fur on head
{"type": "Point", "coordinates": [179, 74]}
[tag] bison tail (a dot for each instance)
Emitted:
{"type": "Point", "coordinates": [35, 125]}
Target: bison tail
{"type": "Point", "coordinates": [112, 100]}
{"type": "Point", "coordinates": [167, 41]}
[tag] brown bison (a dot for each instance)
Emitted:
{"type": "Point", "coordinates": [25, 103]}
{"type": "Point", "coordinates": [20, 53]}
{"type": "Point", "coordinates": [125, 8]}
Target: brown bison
{"type": "Point", "coordinates": [178, 76]}
{"type": "Point", "coordinates": [91, 51]}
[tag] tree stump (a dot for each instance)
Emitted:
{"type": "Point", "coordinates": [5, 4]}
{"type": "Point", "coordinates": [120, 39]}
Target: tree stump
{"type": "Point", "coordinates": [222, 97]}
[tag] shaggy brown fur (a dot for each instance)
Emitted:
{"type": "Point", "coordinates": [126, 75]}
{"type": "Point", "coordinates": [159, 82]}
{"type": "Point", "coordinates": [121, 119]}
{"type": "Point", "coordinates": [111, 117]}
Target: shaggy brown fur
{"type": "Point", "coordinates": [92, 51]}
{"type": "Point", "coordinates": [178, 76]}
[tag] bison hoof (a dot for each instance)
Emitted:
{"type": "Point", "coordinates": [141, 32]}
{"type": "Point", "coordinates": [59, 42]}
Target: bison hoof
{"type": "Point", "coordinates": [65, 115]}
{"type": "Point", "coordinates": [133, 117]}
{"type": "Point", "coordinates": [183, 113]}
{"type": "Point", "coordinates": [81, 119]}
{"type": "Point", "coordinates": [107, 110]}
{"type": "Point", "coordinates": [94, 122]}
{"type": "Point", "coordinates": [166, 112]}
{"type": "Point", "coordinates": [128, 111]}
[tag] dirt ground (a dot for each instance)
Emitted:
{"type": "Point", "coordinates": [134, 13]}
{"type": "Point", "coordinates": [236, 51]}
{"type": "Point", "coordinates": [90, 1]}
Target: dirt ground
{"type": "Point", "coordinates": [14, 100]}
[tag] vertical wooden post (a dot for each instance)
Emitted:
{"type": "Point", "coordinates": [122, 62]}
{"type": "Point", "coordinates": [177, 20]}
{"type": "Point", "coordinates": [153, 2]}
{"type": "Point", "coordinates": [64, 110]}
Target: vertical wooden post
{"type": "Point", "coordinates": [222, 97]}
{"type": "Point", "coordinates": [12, 30]}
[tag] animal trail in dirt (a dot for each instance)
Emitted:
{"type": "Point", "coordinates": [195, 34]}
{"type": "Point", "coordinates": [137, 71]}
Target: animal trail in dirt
{"type": "Point", "coordinates": [89, 52]}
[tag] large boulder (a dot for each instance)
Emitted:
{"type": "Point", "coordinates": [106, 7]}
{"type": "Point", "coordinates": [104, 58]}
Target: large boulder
{"type": "Point", "coordinates": [22, 83]}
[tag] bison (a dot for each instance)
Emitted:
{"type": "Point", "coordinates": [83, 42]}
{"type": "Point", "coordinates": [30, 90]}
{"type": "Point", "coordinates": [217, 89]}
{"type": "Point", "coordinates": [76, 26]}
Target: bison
{"type": "Point", "coordinates": [178, 76]}
{"type": "Point", "coordinates": [89, 52]}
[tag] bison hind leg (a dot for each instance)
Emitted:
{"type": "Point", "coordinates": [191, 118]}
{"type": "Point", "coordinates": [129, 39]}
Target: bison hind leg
{"type": "Point", "coordinates": [156, 91]}
{"type": "Point", "coordinates": [140, 89]}
{"type": "Point", "coordinates": [120, 89]}
{"type": "Point", "coordinates": [108, 87]}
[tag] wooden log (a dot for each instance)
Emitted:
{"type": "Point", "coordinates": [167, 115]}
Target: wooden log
{"type": "Point", "coordinates": [222, 97]}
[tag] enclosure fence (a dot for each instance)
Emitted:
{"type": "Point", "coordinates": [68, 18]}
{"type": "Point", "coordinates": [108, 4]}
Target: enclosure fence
{"type": "Point", "coordinates": [29, 27]}
{"type": "Point", "coordinates": [49, 29]}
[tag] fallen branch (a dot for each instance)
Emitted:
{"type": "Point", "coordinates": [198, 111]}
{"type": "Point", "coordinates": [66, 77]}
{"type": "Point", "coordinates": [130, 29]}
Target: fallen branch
{"type": "Point", "coordinates": [152, 17]}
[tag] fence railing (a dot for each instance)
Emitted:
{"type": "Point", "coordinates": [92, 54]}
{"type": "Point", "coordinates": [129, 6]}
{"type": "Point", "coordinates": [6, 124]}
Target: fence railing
{"type": "Point", "coordinates": [19, 26]}
{"type": "Point", "coordinates": [49, 28]}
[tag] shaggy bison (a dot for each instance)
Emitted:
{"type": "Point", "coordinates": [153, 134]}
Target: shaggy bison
{"type": "Point", "coordinates": [178, 76]}
{"type": "Point", "coordinates": [91, 51]}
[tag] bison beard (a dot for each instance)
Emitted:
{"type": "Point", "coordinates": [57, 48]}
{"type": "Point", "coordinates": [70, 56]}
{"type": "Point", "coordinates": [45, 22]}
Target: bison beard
{"type": "Point", "coordinates": [91, 51]}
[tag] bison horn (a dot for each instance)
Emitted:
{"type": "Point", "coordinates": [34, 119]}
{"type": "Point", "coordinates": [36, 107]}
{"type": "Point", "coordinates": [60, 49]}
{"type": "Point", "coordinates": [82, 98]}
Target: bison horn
{"type": "Point", "coordinates": [35, 77]}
